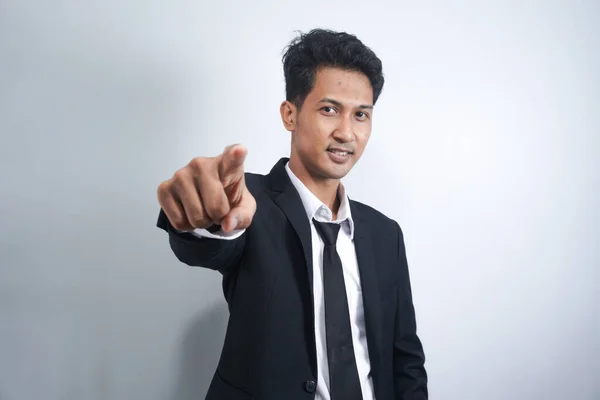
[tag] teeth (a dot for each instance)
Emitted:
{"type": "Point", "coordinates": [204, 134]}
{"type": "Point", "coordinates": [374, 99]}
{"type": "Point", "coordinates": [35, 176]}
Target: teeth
{"type": "Point", "coordinates": [340, 153]}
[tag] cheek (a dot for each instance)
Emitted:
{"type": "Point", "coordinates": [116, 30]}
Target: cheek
{"type": "Point", "coordinates": [361, 142]}
{"type": "Point", "coordinates": [309, 139]}
{"type": "Point", "coordinates": [315, 134]}
{"type": "Point", "coordinates": [363, 137]}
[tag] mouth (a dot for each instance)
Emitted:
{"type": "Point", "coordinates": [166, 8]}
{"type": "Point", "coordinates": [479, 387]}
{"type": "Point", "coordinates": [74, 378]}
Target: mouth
{"type": "Point", "coordinates": [340, 152]}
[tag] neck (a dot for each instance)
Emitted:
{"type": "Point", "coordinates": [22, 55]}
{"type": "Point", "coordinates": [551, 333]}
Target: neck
{"type": "Point", "coordinates": [325, 190]}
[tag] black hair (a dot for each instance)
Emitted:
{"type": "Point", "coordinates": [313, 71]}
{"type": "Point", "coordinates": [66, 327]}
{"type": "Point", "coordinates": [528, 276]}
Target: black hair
{"type": "Point", "coordinates": [325, 48]}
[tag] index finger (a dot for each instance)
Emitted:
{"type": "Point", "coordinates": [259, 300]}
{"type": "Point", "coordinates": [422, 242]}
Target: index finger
{"type": "Point", "coordinates": [231, 164]}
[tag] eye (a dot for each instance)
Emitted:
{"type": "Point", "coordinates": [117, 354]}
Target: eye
{"type": "Point", "coordinates": [362, 115]}
{"type": "Point", "coordinates": [328, 110]}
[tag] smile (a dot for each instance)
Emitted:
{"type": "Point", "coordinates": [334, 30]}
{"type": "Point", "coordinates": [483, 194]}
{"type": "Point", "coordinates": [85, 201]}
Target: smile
{"type": "Point", "coordinates": [339, 152]}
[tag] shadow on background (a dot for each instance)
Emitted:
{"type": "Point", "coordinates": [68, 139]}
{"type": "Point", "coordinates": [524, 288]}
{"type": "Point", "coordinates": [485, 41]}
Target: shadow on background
{"type": "Point", "coordinates": [200, 351]}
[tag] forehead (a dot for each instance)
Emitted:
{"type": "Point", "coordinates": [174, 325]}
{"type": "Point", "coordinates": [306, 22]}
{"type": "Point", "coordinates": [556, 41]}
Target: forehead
{"type": "Point", "coordinates": [341, 85]}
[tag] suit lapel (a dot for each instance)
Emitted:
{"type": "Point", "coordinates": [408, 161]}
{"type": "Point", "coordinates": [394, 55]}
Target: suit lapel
{"type": "Point", "coordinates": [369, 282]}
{"type": "Point", "coordinates": [288, 199]}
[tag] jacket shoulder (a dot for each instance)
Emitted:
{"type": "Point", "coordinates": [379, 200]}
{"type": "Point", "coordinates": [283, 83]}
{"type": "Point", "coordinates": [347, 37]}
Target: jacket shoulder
{"type": "Point", "coordinates": [376, 217]}
{"type": "Point", "coordinates": [255, 183]}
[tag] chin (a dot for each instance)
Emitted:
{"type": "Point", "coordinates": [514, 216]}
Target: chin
{"type": "Point", "coordinates": [336, 172]}
{"type": "Point", "coordinates": [326, 169]}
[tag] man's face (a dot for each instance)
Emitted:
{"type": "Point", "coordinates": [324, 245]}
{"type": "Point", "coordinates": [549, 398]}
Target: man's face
{"type": "Point", "coordinates": [333, 126]}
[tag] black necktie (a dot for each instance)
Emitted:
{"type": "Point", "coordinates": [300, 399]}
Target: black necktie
{"type": "Point", "coordinates": [343, 374]}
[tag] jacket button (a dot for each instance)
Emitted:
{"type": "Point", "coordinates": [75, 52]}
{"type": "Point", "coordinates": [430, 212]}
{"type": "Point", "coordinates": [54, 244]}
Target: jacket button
{"type": "Point", "coordinates": [310, 386]}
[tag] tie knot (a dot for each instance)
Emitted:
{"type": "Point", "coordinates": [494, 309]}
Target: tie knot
{"type": "Point", "coordinates": [327, 231]}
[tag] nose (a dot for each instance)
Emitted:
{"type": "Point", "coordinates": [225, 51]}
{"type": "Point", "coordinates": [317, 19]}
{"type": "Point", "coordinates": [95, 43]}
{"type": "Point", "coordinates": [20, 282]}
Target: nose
{"type": "Point", "coordinates": [344, 131]}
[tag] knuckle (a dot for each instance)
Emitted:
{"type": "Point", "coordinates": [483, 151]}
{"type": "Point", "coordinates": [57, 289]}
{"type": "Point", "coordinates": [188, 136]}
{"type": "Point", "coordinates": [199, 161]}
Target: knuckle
{"type": "Point", "coordinates": [180, 175]}
{"type": "Point", "coordinates": [197, 219]}
{"type": "Point", "coordinates": [179, 224]}
{"type": "Point", "coordinates": [162, 190]}
{"type": "Point", "coordinates": [198, 164]}
{"type": "Point", "coordinates": [216, 212]}
{"type": "Point", "coordinates": [220, 211]}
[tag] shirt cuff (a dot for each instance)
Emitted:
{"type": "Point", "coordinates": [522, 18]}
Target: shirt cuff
{"type": "Point", "coordinates": [218, 234]}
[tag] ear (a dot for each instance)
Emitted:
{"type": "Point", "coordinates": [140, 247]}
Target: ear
{"type": "Point", "coordinates": [289, 115]}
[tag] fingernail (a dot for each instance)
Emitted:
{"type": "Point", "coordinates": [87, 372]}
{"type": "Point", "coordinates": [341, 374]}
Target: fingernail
{"type": "Point", "coordinates": [234, 223]}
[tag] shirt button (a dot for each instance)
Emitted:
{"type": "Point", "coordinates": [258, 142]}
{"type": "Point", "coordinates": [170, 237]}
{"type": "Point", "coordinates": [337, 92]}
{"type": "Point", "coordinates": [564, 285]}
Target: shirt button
{"type": "Point", "coordinates": [310, 386]}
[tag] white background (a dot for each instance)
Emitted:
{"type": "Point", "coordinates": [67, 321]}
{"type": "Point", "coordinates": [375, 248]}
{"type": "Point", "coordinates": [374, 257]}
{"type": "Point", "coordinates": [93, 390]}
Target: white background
{"type": "Point", "coordinates": [484, 148]}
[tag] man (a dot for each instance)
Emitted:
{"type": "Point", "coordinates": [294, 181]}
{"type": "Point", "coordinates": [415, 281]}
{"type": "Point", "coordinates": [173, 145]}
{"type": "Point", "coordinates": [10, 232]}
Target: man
{"type": "Point", "coordinates": [317, 284]}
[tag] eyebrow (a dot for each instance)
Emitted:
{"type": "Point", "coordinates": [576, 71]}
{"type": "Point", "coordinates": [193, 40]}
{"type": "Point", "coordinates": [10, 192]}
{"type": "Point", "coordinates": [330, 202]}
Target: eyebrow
{"type": "Point", "coordinates": [338, 104]}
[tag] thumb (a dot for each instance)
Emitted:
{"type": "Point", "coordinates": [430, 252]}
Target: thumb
{"type": "Point", "coordinates": [231, 163]}
{"type": "Point", "coordinates": [240, 216]}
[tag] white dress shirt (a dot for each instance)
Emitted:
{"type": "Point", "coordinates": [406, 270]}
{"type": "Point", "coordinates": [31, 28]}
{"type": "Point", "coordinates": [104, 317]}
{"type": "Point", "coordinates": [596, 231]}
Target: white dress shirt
{"type": "Point", "coordinates": [345, 247]}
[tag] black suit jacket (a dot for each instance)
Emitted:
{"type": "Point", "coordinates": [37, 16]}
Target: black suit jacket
{"type": "Point", "coordinates": [269, 349]}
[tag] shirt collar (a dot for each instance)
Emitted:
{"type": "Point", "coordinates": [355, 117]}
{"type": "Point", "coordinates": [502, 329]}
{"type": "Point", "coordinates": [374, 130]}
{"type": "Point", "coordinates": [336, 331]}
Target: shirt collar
{"type": "Point", "coordinates": [316, 209]}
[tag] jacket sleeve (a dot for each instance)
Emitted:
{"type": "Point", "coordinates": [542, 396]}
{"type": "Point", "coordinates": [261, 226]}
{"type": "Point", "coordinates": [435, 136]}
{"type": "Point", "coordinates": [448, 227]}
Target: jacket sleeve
{"type": "Point", "coordinates": [410, 377]}
{"type": "Point", "coordinates": [217, 254]}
